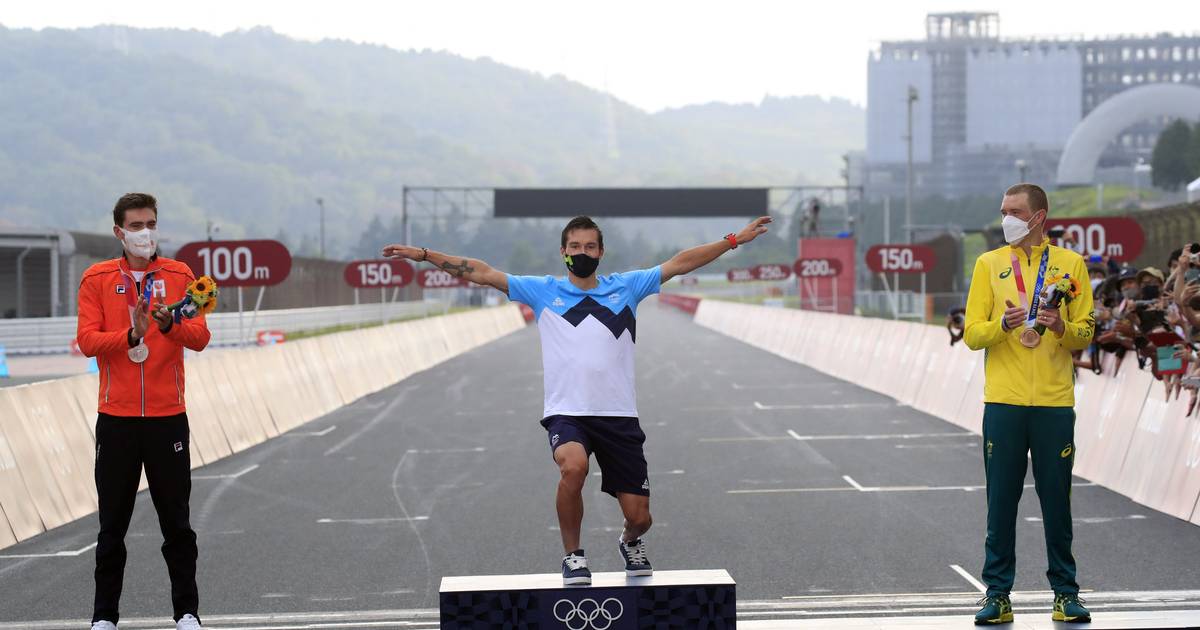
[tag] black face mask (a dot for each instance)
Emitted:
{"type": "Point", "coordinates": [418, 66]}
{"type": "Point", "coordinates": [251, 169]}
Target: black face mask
{"type": "Point", "coordinates": [581, 265]}
{"type": "Point", "coordinates": [1150, 292]}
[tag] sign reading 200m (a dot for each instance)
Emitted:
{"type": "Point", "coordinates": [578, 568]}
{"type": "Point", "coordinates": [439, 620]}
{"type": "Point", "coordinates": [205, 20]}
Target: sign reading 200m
{"type": "Point", "coordinates": [255, 263]}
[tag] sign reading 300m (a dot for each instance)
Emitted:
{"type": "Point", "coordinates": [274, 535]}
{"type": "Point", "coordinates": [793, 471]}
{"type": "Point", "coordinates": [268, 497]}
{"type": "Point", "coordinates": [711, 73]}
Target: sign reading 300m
{"type": "Point", "coordinates": [256, 263]}
{"type": "Point", "coordinates": [1119, 237]}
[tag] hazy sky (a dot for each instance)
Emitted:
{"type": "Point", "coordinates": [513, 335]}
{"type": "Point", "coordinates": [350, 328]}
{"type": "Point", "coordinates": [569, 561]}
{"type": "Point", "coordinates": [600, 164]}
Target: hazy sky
{"type": "Point", "coordinates": [652, 53]}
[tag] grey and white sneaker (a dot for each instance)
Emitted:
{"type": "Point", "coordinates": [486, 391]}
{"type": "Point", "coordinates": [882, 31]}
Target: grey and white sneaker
{"type": "Point", "coordinates": [575, 569]}
{"type": "Point", "coordinates": [103, 625]}
{"type": "Point", "coordinates": [188, 622]}
{"type": "Point", "coordinates": [636, 562]}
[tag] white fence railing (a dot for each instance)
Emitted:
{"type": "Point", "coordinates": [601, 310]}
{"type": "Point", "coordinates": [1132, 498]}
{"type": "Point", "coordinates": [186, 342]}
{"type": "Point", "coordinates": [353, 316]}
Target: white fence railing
{"type": "Point", "coordinates": [53, 335]}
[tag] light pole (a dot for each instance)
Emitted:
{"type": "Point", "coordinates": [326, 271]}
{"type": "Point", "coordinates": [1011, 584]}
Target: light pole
{"type": "Point", "coordinates": [1022, 167]}
{"type": "Point", "coordinates": [908, 188]}
{"type": "Point", "coordinates": [321, 204]}
{"type": "Point", "coordinates": [846, 175]}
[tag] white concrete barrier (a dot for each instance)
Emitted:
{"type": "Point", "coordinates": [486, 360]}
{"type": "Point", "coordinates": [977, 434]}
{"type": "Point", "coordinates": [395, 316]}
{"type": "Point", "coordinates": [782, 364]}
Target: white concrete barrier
{"type": "Point", "coordinates": [236, 399]}
{"type": "Point", "coordinates": [1129, 437]}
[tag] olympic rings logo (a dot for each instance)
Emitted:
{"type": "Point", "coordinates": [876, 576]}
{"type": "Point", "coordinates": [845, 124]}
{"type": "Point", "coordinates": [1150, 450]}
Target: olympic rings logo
{"type": "Point", "coordinates": [587, 614]}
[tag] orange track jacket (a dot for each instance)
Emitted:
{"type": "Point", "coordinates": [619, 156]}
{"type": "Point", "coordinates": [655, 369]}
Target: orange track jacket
{"type": "Point", "coordinates": [154, 388]}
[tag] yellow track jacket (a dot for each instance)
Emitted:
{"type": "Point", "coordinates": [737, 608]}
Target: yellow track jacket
{"type": "Point", "coordinates": [1043, 376]}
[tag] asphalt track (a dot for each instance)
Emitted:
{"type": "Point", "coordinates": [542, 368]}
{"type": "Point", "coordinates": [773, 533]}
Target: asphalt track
{"type": "Point", "coordinates": [819, 497]}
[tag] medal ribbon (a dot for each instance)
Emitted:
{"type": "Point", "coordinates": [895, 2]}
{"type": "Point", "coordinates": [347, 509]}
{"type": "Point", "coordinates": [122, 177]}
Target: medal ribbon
{"type": "Point", "coordinates": [1031, 319]}
{"type": "Point", "coordinates": [131, 291]}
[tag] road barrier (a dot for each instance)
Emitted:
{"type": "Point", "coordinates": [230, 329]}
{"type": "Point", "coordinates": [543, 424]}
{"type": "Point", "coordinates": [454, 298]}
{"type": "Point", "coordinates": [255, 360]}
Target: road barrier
{"type": "Point", "coordinates": [53, 335]}
{"type": "Point", "coordinates": [1129, 436]}
{"type": "Point", "coordinates": [236, 399]}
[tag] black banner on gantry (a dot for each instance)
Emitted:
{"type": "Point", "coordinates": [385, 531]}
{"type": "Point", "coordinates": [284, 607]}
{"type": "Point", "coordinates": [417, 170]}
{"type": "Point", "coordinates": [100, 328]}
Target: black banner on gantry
{"type": "Point", "coordinates": [630, 202]}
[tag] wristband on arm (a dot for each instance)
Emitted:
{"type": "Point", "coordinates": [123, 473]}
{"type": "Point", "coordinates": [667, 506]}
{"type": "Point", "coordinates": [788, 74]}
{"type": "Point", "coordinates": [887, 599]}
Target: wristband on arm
{"type": "Point", "coordinates": [732, 238]}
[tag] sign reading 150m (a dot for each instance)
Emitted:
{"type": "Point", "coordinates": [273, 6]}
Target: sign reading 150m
{"type": "Point", "coordinates": [377, 274]}
{"type": "Point", "coordinates": [256, 263]}
{"type": "Point", "coordinates": [901, 258]}
{"type": "Point", "coordinates": [1119, 237]}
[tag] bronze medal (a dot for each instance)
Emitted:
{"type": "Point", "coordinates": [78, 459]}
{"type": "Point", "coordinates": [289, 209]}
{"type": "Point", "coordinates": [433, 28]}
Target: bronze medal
{"type": "Point", "coordinates": [1030, 338]}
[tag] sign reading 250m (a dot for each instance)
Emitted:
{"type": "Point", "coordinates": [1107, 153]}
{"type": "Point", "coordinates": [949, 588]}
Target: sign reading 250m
{"type": "Point", "coordinates": [257, 263]}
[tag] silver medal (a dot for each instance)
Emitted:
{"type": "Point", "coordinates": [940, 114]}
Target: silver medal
{"type": "Point", "coordinates": [140, 352]}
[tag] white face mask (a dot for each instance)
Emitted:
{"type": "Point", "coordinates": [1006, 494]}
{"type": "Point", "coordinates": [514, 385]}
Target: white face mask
{"type": "Point", "coordinates": [1014, 229]}
{"type": "Point", "coordinates": [1096, 282]}
{"type": "Point", "coordinates": [142, 243]}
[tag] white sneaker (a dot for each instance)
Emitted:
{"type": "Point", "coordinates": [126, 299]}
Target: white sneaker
{"type": "Point", "coordinates": [188, 622]}
{"type": "Point", "coordinates": [104, 625]}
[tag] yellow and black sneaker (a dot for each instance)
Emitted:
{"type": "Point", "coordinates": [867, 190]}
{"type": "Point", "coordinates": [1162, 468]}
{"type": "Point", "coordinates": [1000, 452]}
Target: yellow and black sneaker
{"type": "Point", "coordinates": [1069, 608]}
{"type": "Point", "coordinates": [996, 609]}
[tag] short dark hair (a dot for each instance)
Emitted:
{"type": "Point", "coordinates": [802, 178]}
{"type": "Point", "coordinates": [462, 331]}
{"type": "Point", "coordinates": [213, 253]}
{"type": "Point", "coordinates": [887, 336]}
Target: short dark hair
{"type": "Point", "coordinates": [132, 201]}
{"type": "Point", "coordinates": [1035, 194]}
{"type": "Point", "coordinates": [581, 223]}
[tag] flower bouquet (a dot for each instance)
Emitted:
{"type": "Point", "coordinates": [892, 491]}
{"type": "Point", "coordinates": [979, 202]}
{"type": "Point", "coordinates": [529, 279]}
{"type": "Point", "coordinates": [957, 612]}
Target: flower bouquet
{"type": "Point", "coordinates": [1062, 289]}
{"type": "Point", "coordinates": [199, 299]}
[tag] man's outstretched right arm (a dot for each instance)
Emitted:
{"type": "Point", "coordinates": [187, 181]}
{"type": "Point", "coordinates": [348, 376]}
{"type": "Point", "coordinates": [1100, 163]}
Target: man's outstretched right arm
{"type": "Point", "coordinates": [471, 269]}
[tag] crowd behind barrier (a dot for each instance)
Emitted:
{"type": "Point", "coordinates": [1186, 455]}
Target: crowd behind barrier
{"type": "Point", "coordinates": [236, 399]}
{"type": "Point", "coordinates": [1130, 436]}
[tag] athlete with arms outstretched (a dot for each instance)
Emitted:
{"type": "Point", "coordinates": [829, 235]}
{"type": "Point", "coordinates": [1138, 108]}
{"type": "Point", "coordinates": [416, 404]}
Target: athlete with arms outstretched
{"type": "Point", "coordinates": [587, 326]}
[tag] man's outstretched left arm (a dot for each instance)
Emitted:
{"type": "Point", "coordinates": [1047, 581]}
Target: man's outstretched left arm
{"type": "Point", "coordinates": [694, 258]}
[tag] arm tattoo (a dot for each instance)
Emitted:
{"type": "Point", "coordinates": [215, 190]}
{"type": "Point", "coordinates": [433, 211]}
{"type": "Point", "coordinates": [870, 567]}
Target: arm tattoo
{"type": "Point", "coordinates": [459, 270]}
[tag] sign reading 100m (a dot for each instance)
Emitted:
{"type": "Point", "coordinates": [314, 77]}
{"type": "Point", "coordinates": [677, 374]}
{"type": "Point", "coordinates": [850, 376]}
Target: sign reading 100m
{"type": "Point", "coordinates": [252, 263]}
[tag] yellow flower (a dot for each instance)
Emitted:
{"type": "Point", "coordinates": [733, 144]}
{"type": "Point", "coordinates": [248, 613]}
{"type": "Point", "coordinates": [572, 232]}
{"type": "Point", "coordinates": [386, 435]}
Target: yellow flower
{"type": "Point", "coordinates": [1068, 287]}
{"type": "Point", "coordinates": [203, 291]}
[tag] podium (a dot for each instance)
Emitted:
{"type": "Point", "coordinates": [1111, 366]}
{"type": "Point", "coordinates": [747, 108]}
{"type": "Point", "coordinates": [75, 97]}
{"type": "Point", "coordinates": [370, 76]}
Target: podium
{"type": "Point", "coordinates": [667, 599]}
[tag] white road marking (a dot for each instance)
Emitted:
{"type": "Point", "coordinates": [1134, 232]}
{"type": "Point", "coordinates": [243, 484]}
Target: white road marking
{"type": "Point", "coordinates": [791, 606]}
{"type": "Point", "coordinates": [230, 476]}
{"type": "Point", "coordinates": [788, 386]}
{"type": "Point", "coordinates": [969, 578]}
{"type": "Point", "coordinates": [915, 446]}
{"type": "Point", "coordinates": [880, 489]}
{"type": "Point", "coordinates": [1093, 520]}
{"type": "Point", "coordinates": [854, 483]}
{"type": "Point", "coordinates": [677, 471]}
{"type": "Point", "coordinates": [443, 451]}
{"type": "Point", "coordinates": [756, 438]}
{"type": "Point", "coordinates": [317, 433]}
{"type": "Point", "coordinates": [374, 521]}
{"type": "Point", "coordinates": [878, 436]}
{"type": "Point", "coordinates": [762, 407]}
{"type": "Point", "coordinates": [386, 412]}
{"type": "Point", "coordinates": [58, 554]}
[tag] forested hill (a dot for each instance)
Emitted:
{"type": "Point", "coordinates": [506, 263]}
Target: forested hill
{"type": "Point", "coordinates": [248, 128]}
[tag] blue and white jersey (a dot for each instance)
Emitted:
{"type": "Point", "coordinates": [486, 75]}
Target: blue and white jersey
{"type": "Point", "coordinates": [587, 339]}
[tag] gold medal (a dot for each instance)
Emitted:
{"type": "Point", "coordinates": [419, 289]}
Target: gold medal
{"type": "Point", "coordinates": [1030, 338]}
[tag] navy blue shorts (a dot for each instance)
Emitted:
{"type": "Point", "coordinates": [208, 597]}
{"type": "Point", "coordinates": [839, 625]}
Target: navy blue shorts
{"type": "Point", "coordinates": [617, 444]}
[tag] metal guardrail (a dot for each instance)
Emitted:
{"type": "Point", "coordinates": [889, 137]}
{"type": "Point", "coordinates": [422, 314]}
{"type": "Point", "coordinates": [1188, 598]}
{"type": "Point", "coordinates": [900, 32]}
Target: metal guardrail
{"type": "Point", "coordinates": [53, 335]}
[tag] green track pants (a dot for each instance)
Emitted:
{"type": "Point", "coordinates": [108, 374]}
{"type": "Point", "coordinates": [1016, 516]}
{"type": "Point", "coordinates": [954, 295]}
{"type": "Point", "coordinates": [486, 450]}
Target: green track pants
{"type": "Point", "coordinates": [1010, 434]}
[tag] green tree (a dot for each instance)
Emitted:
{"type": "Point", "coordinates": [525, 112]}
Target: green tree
{"type": "Point", "coordinates": [1171, 156]}
{"type": "Point", "coordinates": [1194, 152]}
